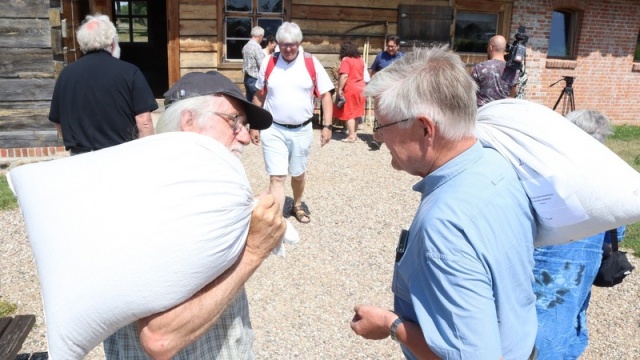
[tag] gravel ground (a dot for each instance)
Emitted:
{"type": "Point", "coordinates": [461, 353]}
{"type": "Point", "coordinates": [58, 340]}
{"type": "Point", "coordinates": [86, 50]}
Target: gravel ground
{"type": "Point", "coordinates": [301, 305]}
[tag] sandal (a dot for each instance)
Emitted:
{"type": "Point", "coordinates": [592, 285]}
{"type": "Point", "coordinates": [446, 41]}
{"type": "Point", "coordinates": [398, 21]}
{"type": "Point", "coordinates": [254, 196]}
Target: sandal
{"type": "Point", "coordinates": [300, 215]}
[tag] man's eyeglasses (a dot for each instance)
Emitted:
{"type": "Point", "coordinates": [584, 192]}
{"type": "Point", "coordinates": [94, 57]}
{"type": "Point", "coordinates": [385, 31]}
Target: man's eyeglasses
{"type": "Point", "coordinates": [377, 128]}
{"type": "Point", "coordinates": [236, 121]}
{"type": "Point", "coordinates": [288, 45]}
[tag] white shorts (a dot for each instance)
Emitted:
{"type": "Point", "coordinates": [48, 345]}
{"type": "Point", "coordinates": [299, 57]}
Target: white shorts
{"type": "Point", "coordinates": [286, 151]}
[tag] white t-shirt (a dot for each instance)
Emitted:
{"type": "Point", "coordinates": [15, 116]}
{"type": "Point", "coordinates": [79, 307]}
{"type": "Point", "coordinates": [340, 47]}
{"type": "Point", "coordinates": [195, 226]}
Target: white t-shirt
{"type": "Point", "coordinates": [290, 89]}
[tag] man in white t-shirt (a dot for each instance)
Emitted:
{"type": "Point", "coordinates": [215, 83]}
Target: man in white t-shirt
{"type": "Point", "coordinates": [288, 94]}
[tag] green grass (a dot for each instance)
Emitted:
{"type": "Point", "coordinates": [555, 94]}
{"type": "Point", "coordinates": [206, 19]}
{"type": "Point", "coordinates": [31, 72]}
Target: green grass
{"type": "Point", "coordinates": [625, 142]}
{"type": "Point", "coordinates": [7, 199]}
{"type": "Point", "coordinates": [7, 308]}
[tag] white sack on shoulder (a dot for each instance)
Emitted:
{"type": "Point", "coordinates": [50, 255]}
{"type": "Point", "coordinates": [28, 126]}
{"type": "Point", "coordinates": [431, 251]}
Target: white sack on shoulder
{"type": "Point", "coordinates": [578, 187]}
{"type": "Point", "coordinates": [129, 231]}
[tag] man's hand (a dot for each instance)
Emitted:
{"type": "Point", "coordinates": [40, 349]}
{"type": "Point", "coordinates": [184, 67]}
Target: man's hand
{"type": "Point", "coordinates": [266, 229]}
{"type": "Point", "coordinates": [255, 136]}
{"type": "Point", "coordinates": [325, 136]}
{"type": "Point", "coordinates": [372, 322]}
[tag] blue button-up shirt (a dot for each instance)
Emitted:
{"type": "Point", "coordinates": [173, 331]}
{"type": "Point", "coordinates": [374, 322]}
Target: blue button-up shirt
{"type": "Point", "coordinates": [466, 274]}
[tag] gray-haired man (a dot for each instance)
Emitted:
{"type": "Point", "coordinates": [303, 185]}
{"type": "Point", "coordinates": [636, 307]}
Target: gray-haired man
{"type": "Point", "coordinates": [213, 323]}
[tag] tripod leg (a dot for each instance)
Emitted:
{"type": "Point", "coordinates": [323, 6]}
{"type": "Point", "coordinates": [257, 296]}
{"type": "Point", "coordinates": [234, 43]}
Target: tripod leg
{"type": "Point", "coordinates": [558, 101]}
{"type": "Point", "coordinates": [572, 102]}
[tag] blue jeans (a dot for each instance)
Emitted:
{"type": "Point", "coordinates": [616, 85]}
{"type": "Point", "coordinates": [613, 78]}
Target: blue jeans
{"type": "Point", "coordinates": [563, 275]}
{"type": "Point", "coordinates": [250, 86]}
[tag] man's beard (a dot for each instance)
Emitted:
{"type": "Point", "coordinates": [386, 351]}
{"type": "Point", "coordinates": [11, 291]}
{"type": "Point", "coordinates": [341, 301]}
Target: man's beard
{"type": "Point", "coordinates": [115, 52]}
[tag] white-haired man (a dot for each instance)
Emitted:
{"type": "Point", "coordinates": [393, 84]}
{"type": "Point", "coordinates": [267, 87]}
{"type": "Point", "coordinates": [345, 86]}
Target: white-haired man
{"type": "Point", "coordinates": [252, 56]}
{"type": "Point", "coordinates": [462, 281]}
{"type": "Point", "coordinates": [99, 100]}
{"type": "Point", "coordinates": [288, 94]}
{"type": "Point", "coordinates": [213, 323]}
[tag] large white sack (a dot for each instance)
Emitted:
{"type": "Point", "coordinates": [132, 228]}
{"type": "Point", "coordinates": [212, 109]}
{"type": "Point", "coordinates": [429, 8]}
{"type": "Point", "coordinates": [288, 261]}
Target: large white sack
{"type": "Point", "coordinates": [129, 231]}
{"type": "Point", "coordinates": [578, 187]}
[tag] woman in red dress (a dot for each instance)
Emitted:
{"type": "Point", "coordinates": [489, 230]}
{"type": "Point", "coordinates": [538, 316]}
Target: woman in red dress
{"type": "Point", "coordinates": [350, 86]}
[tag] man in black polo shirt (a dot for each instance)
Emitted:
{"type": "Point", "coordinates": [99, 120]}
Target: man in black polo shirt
{"type": "Point", "coordinates": [99, 100]}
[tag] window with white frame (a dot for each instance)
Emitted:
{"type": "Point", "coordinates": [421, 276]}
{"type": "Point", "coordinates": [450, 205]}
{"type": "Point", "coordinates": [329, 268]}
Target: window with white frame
{"type": "Point", "coordinates": [242, 15]}
{"type": "Point", "coordinates": [563, 34]}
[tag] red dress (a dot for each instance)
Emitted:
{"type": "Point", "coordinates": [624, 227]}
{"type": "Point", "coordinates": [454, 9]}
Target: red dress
{"type": "Point", "coordinates": [354, 107]}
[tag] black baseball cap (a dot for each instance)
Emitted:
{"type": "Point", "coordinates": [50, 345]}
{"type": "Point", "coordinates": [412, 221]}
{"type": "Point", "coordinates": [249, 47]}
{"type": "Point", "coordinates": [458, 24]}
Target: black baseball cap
{"type": "Point", "coordinates": [212, 82]}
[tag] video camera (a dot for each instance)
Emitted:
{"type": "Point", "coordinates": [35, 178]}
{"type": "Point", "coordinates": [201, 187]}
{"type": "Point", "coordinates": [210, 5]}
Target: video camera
{"type": "Point", "coordinates": [517, 55]}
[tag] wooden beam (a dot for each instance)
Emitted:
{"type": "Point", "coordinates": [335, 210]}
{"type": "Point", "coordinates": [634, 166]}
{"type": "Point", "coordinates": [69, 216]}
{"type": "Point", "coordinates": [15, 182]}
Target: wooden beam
{"type": "Point", "coordinates": [197, 27]}
{"type": "Point", "coordinates": [313, 12]}
{"type": "Point", "coordinates": [26, 139]}
{"type": "Point", "coordinates": [25, 119]}
{"type": "Point", "coordinates": [341, 28]}
{"type": "Point", "coordinates": [26, 89]}
{"type": "Point", "coordinates": [198, 60]}
{"type": "Point", "coordinates": [372, 4]}
{"type": "Point", "coordinates": [173, 41]}
{"type": "Point", "coordinates": [24, 9]}
{"type": "Point", "coordinates": [198, 11]}
{"type": "Point", "coordinates": [14, 335]}
{"type": "Point", "coordinates": [26, 63]}
{"type": "Point", "coordinates": [198, 43]}
{"type": "Point", "coordinates": [25, 33]}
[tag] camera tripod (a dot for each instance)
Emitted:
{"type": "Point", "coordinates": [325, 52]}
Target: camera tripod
{"type": "Point", "coordinates": [568, 102]}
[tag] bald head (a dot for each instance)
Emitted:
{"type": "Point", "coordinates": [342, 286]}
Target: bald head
{"type": "Point", "coordinates": [496, 48]}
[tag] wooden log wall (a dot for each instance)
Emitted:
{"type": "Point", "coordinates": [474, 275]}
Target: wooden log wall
{"type": "Point", "coordinates": [198, 35]}
{"type": "Point", "coordinates": [26, 74]}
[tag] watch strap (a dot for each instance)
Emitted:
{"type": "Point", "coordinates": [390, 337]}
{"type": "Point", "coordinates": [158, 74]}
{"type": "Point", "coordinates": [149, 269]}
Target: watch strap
{"type": "Point", "coordinates": [330, 127]}
{"type": "Point", "coordinates": [393, 330]}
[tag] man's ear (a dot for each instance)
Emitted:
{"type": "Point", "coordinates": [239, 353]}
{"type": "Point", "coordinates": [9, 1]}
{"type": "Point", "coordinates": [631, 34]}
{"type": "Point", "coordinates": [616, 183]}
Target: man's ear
{"type": "Point", "coordinates": [428, 127]}
{"type": "Point", "coordinates": [188, 121]}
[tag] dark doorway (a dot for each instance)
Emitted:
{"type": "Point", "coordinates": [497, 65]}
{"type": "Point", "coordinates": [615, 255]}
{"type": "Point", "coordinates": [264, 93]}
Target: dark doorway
{"type": "Point", "coordinates": [142, 31]}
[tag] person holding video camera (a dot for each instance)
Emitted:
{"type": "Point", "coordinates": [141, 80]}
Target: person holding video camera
{"type": "Point", "coordinates": [489, 74]}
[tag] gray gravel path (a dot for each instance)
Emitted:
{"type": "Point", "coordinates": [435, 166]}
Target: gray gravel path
{"type": "Point", "coordinates": [301, 305]}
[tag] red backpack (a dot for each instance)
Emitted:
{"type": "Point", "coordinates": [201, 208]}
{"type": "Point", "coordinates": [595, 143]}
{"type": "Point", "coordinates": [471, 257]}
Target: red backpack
{"type": "Point", "coordinates": [308, 62]}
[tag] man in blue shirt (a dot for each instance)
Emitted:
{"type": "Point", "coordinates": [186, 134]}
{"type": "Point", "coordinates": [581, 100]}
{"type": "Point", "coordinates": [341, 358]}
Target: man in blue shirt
{"type": "Point", "coordinates": [382, 60]}
{"type": "Point", "coordinates": [463, 272]}
{"type": "Point", "coordinates": [387, 57]}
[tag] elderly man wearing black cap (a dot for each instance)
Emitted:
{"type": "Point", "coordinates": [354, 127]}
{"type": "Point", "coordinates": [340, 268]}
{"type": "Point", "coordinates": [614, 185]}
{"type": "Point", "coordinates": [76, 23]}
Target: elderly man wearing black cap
{"type": "Point", "coordinates": [213, 323]}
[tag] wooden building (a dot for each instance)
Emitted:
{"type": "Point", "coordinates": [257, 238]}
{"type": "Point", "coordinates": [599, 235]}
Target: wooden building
{"type": "Point", "coordinates": [169, 38]}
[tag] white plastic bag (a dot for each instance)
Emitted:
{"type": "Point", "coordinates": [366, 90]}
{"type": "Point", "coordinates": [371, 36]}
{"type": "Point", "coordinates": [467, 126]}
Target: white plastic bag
{"type": "Point", "coordinates": [578, 187]}
{"type": "Point", "coordinates": [129, 231]}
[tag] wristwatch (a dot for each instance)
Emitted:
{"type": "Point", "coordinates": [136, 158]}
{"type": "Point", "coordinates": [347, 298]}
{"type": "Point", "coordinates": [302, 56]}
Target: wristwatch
{"type": "Point", "coordinates": [394, 328]}
{"type": "Point", "coordinates": [330, 127]}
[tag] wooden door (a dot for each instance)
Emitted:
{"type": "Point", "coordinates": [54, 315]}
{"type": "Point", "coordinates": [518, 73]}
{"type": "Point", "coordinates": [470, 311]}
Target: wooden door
{"type": "Point", "coordinates": [142, 33]}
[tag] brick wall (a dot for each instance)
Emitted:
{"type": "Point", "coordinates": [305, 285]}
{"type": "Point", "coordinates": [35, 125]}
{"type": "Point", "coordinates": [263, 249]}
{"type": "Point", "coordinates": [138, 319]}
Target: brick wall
{"type": "Point", "coordinates": [607, 80]}
{"type": "Point", "coordinates": [38, 152]}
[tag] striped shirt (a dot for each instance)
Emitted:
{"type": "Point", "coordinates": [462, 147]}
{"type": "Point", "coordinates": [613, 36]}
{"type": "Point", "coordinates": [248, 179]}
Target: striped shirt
{"type": "Point", "coordinates": [230, 338]}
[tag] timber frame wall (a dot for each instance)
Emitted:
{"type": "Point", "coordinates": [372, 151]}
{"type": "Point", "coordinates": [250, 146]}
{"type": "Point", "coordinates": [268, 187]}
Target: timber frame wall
{"type": "Point", "coordinates": [27, 75]}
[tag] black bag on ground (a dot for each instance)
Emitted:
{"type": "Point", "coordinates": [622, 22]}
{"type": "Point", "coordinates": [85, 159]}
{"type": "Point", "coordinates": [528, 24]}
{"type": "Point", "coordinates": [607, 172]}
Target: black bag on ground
{"type": "Point", "coordinates": [615, 266]}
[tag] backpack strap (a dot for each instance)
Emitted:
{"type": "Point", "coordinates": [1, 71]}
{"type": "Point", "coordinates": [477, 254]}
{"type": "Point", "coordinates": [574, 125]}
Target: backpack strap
{"type": "Point", "coordinates": [308, 63]}
{"type": "Point", "coordinates": [270, 65]}
{"type": "Point", "coordinates": [614, 239]}
{"type": "Point", "coordinates": [311, 68]}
